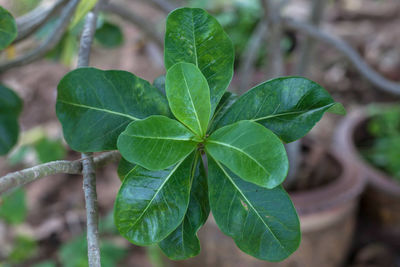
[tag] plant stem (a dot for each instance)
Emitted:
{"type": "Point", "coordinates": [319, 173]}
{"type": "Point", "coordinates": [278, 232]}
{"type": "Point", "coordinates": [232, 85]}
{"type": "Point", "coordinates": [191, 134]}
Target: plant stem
{"type": "Point", "coordinates": [30, 22]}
{"type": "Point", "coordinates": [343, 47]}
{"type": "Point", "coordinates": [25, 176]}
{"type": "Point", "coordinates": [92, 215]}
{"type": "Point", "coordinates": [49, 43]}
{"type": "Point", "coordinates": [88, 171]}
{"type": "Point", "coordinates": [274, 56]}
{"type": "Point", "coordinates": [306, 49]}
{"type": "Point", "coordinates": [147, 28]}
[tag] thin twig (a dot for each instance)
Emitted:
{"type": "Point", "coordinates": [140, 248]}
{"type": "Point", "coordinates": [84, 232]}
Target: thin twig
{"type": "Point", "coordinates": [306, 53]}
{"type": "Point", "coordinates": [306, 49]}
{"type": "Point", "coordinates": [374, 77]}
{"type": "Point", "coordinates": [147, 28]}
{"type": "Point", "coordinates": [249, 56]}
{"type": "Point", "coordinates": [49, 43]}
{"type": "Point", "coordinates": [88, 171]}
{"type": "Point", "coordinates": [29, 23]}
{"type": "Point", "coordinates": [23, 177]}
{"type": "Point", "coordinates": [274, 53]}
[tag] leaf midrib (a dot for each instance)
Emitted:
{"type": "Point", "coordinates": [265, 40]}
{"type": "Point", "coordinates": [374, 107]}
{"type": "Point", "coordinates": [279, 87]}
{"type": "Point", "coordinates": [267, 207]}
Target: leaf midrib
{"type": "Point", "coordinates": [287, 113]}
{"type": "Point", "coordinates": [155, 195]}
{"type": "Point", "coordinates": [249, 203]}
{"type": "Point", "coordinates": [241, 151]}
{"type": "Point", "coordinates": [192, 103]}
{"type": "Point", "coordinates": [158, 138]}
{"type": "Point", "coordinates": [99, 109]}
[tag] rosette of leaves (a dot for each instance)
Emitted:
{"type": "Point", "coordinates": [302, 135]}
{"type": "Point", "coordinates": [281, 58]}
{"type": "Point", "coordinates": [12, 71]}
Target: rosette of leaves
{"type": "Point", "coordinates": [164, 134]}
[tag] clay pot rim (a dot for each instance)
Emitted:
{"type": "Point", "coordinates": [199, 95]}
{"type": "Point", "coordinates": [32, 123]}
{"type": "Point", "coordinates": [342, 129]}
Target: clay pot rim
{"type": "Point", "coordinates": [347, 187]}
{"type": "Point", "coordinates": [344, 140]}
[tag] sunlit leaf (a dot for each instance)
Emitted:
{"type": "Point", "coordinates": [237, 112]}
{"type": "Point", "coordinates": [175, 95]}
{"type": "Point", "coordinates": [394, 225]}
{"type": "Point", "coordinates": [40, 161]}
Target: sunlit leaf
{"type": "Point", "coordinates": [194, 36]}
{"type": "Point", "coordinates": [251, 151]}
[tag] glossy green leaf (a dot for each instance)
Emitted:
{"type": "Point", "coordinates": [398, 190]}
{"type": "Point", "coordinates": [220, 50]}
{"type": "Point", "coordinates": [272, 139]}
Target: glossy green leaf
{"type": "Point", "coordinates": [288, 106]}
{"type": "Point", "coordinates": [95, 106]}
{"type": "Point", "coordinates": [189, 96]}
{"type": "Point", "coordinates": [124, 167]}
{"type": "Point", "coordinates": [109, 35]}
{"type": "Point", "coordinates": [151, 204]}
{"type": "Point", "coordinates": [183, 243]}
{"type": "Point", "coordinates": [263, 222]}
{"type": "Point", "coordinates": [8, 28]}
{"type": "Point", "coordinates": [10, 108]}
{"type": "Point", "coordinates": [193, 36]}
{"type": "Point", "coordinates": [156, 142]}
{"type": "Point", "coordinates": [251, 151]}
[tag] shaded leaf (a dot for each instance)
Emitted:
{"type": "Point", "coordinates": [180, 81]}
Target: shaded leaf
{"type": "Point", "coordinates": [288, 106]}
{"type": "Point", "coordinates": [74, 253]}
{"type": "Point", "coordinates": [49, 150]}
{"type": "Point", "coordinates": [189, 96]}
{"type": "Point", "coordinates": [263, 222]}
{"type": "Point", "coordinates": [13, 208]}
{"type": "Point", "coordinates": [226, 102]}
{"type": "Point", "coordinates": [183, 242]}
{"type": "Point", "coordinates": [151, 204]}
{"type": "Point", "coordinates": [193, 36]}
{"type": "Point", "coordinates": [24, 248]}
{"type": "Point", "coordinates": [159, 83]}
{"type": "Point", "coordinates": [251, 151]}
{"type": "Point", "coordinates": [95, 106]}
{"type": "Point", "coordinates": [109, 35]}
{"type": "Point", "coordinates": [156, 142]}
{"type": "Point", "coordinates": [8, 28]}
{"type": "Point", "coordinates": [124, 167]}
{"type": "Point", "coordinates": [10, 108]}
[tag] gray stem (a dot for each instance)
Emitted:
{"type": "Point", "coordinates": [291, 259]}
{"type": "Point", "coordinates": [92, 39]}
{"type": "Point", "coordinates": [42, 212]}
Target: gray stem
{"type": "Point", "coordinates": [306, 53]}
{"type": "Point", "coordinates": [49, 43]}
{"type": "Point", "coordinates": [30, 22]}
{"type": "Point", "coordinates": [88, 171]}
{"type": "Point", "coordinates": [274, 55]}
{"type": "Point", "coordinates": [314, 32]}
{"type": "Point", "coordinates": [249, 57]}
{"type": "Point", "coordinates": [23, 177]}
{"type": "Point", "coordinates": [137, 20]}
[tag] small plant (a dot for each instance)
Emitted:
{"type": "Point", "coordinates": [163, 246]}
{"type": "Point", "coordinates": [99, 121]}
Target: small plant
{"type": "Point", "coordinates": [384, 151]}
{"type": "Point", "coordinates": [165, 133]}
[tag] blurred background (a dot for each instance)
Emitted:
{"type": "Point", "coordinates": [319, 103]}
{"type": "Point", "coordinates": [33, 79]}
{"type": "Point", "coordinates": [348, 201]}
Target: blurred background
{"type": "Point", "coordinates": [345, 175]}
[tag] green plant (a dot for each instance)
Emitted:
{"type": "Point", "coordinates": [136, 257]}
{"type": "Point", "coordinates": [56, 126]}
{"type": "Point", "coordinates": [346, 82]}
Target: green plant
{"type": "Point", "coordinates": [166, 195]}
{"type": "Point", "coordinates": [384, 151]}
{"type": "Point", "coordinates": [74, 253]}
{"type": "Point", "coordinates": [8, 28]}
{"type": "Point", "coordinates": [10, 108]}
{"type": "Point", "coordinates": [13, 208]}
{"type": "Point", "coordinates": [10, 103]}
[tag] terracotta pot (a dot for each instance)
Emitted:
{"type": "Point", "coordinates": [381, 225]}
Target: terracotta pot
{"type": "Point", "coordinates": [327, 216]}
{"type": "Point", "coordinates": [381, 200]}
